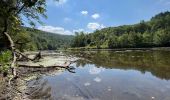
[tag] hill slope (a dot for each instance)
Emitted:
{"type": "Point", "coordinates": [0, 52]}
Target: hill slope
{"type": "Point", "coordinates": [33, 39]}
{"type": "Point", "coordinates": [48, 41]}
{"type": "Point", "coordinates": [155, 32]}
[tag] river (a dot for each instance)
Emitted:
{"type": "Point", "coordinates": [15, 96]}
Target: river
{"type": "Point", "coordinates": [109, 75]}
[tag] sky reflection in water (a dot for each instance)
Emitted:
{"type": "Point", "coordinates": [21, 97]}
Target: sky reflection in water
{"type": "Point", "coordinates": [109, 82]}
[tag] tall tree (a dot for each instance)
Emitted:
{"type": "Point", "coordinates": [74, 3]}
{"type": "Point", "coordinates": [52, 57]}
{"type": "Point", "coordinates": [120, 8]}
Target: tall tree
{"type": "Point", "coordinates": [11, 14]}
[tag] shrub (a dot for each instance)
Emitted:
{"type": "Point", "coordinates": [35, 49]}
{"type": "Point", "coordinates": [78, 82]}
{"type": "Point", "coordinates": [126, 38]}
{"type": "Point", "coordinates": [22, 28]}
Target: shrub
{"type": "Point", "coordinates": [5, 58]}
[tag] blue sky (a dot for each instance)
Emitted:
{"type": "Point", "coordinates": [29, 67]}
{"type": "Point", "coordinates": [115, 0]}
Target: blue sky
{"type": "Point", "coordinates": [68, 16]}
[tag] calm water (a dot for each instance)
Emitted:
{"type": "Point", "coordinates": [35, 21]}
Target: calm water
{"type": "Point", "coordinates": [109, 75]}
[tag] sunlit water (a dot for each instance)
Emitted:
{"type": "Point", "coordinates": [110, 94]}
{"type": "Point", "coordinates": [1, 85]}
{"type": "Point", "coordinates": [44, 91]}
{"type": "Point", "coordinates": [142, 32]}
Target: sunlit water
{"type": "Point", "coordinates": [110, 75]}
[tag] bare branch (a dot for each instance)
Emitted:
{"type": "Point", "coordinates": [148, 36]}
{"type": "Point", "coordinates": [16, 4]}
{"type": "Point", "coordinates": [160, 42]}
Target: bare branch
{"type": "Point", "coordinates": [37, 57]}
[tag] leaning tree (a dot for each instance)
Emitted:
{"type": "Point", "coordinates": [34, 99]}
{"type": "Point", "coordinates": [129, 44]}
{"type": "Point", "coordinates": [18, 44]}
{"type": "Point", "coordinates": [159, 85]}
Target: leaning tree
{"type": "Point", "coordinates": [13, 13]}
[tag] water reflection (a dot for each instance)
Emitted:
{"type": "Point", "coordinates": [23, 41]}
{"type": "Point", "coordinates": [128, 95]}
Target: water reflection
{"type": "Point", "coordinates": [39, 89]}
{"type": "Point", "coordinates": [110, 84]}
{"type": "Point", "coordinates": [107, 75]}
{"type": "Point", "coordinates": [97, 79]}
{"type": "Point", "coordinates": [156, 62]}
{"type": "Point", "coordinates": [94, 70]}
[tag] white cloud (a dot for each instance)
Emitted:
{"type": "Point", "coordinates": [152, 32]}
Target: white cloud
{"type": "Point", "coordinates": [56, 3]}
{"type": "Point", "coordinates": [81, 30]}
{"type": "Point", "coordinates": [94, 70]}
{"type": "Point", "coordinates": [102, 26]}
{"type": "Point", "coordinates": [63, 31]}
{"type": "Point", "coordinates": [78, 30]}
{"type": "Point", "coordinates": [60, 2]}
{"type": "Point", "coordinates": [58, 30]}
{"type": "Point", "coordinates": [84, 12]}
{"type": "Point", "coordinates": [95, 16]}
{"type": "Point", "coordinates": [94, 26]}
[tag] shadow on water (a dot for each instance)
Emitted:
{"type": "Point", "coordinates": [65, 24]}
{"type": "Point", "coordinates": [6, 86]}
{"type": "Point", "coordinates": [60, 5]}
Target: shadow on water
{"type": "Point", "coordinates": [109, 75]}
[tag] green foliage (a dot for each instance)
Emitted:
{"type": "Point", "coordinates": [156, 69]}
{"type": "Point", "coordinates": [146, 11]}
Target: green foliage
{"type": "Point", "coordinates": [153, 33]}
{"type": "Point", "coordinates": [12, 13]}
{"type": "Point", "coordinates": [135, 39]}
{"type": "Point", "coordinates": [162, 38]}
{"type": "Point", "coordinates": [113, 42]}
{"type": "Point", "coordinates": [80, 40]}
{"type": "Point", "coordinates": [5, 57]}
{"type": "Point", "coordinates": [147, 39]}
{"type": "Point", "coordinates": [29, 39]}
{"type": "Point", "coordinates": [123, 40]}
{"type": "Point", "coordinates": [41, 40]}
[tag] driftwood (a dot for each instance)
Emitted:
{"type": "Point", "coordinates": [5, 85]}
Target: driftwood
{"type": "Point", "coordinates": [15, 53]}
{"type": "Point", "coordinates": [66, 66]}
{"type": "Point", "coordinates": [12, 46]}
{"type": "Point", "coordinates": [22, 56]}
{"type": "Point", "coordinates": [37, 57]}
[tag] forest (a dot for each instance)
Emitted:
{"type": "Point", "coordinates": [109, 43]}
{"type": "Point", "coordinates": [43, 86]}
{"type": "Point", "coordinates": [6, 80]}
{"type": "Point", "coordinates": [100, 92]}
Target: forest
{"type": "Point", "coordinates": [153, 33]}
{"type": "Point", "coordinates": [35, 64]}
{"type": "Point", "coordinates": [30, 39]}
{"type": "Point", "coordinates": [16, 38]}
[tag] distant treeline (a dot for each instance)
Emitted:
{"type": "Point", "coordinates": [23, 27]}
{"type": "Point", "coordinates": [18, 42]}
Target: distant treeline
{"type": "Point", "coordinates": [33, 39]}
{"type": "Point", "coordinates": [48, 41]}
{"type": "Point", "coordinates": [153, 33]}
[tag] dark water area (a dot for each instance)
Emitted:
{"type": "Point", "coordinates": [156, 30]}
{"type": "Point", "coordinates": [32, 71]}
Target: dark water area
{"type": "Point", "coordinates": [109, 75]}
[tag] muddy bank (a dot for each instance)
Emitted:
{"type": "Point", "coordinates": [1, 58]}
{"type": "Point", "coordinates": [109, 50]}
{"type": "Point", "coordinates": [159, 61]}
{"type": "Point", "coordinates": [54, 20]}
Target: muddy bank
{"type": "Point", "coordinates": [3, 87]}
{"type": "Point", "coordinates": [18, 88]}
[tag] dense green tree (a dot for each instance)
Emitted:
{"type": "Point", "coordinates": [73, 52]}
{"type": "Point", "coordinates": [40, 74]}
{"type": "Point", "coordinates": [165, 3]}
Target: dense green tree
{"type": "Point", "coordinates": [79, 40]}
{"type": "Point", "coordinates": [113, 42]}
{"type": "Point", "coordinates": [162, 38]}
{"type": "Point", "coordinates": [147, 39]}
{"type": "Point", "coordinates": [123, 40]}
{"type": "Point", "coordinates": [145, 34]}
{"type": "Point", "coordinates": [135, 39]}
{"type": "Point", "coordinates": [11, 14]}
{"type": "Point", "coordinates": [41, 40]}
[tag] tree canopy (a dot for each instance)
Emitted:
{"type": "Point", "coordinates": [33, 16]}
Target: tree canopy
{"type": "Point", "coordinates": [12, 13]}
{"type": "Point", "coordinates": [153, 33]}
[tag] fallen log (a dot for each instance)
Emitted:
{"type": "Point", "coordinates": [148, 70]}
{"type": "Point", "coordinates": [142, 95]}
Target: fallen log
{"type": "Point", "coordinates": [66, 66]}
{"type": "Point", "coordinates": [41, 66]}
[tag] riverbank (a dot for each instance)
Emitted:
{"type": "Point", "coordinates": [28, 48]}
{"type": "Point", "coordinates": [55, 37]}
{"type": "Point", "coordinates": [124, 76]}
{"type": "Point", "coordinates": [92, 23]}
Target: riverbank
{"type": "Point", "coordinates": [101, 75]}
{"type": "Point", "coordinates": [18, 90]}
{"type": "Point", "coordinates": [118, 49]}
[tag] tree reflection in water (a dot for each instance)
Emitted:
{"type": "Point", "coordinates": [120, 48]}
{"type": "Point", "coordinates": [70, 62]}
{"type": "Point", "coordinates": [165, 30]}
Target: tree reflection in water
{"type": "Point", "coordinates": [156, 62]}
{"type": "Point", "coordinates": [109, 75]}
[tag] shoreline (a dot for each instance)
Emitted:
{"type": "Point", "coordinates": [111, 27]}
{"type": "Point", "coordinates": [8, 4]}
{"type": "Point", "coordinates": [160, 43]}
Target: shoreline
{"type": "Point", "coordinates": [18, 89]}
{"type": "Point", "coordinates": [118, 49]}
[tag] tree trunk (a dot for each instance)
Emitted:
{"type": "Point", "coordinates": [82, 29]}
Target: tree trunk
{"type": "Point", "coordinates": [12, 46]}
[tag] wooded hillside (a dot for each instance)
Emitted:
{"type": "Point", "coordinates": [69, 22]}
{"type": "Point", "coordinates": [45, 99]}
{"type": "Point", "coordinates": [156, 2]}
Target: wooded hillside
{"type": "Point", "coordinates": [33, 39]}
{"type": "Point", "coordinates": [153, 33]}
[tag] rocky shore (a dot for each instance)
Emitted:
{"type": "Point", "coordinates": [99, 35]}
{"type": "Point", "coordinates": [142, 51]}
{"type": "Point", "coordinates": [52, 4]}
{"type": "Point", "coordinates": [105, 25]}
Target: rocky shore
{"type": "Point", "coordinates": [18, 89]}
